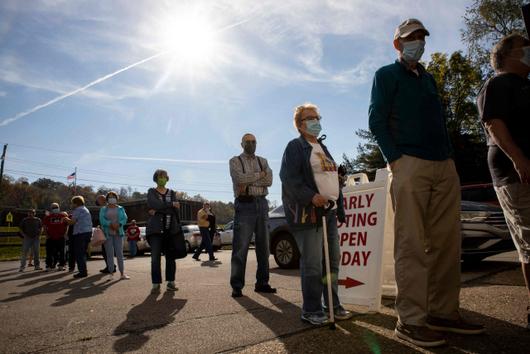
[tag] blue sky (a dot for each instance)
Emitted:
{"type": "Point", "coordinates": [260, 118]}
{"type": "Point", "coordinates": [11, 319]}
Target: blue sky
{"type": "Point", "coordinates": [221, 69]}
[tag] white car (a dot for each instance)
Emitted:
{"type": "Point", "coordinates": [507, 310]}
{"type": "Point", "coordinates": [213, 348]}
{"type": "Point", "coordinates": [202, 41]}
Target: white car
{"type": "Point", "coordinates": [227, 234]}
{"type": "Point", "coordinates": [142, 244]}
{"type": "Point", "coordinates": [193, 238]}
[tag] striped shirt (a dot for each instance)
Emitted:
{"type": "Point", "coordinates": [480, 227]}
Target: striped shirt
{"type": "Point", "coordinates": [248, 175]}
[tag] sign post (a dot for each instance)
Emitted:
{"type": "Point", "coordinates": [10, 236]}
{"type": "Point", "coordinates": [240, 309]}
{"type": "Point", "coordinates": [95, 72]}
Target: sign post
{"type": "Point", "coordinates": [366, 241]}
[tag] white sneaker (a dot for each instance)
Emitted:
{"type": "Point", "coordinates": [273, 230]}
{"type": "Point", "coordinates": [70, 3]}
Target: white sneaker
{"type": "Point", "coordinates": [125, 277]}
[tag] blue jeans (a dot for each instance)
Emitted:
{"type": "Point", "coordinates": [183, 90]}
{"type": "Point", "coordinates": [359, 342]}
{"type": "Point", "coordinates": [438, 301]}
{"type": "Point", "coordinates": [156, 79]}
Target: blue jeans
{"type": "Point", "coordinates": [206, 243]}
{"type": "Point", "coordinates": [156, 241]}
{"type": "Point", "coordinates": [312, 266]}
{"type": "Point", "coordinates": [30, 244]}
{"type": "Point", "coordinates": [132, 248]}
{"type": "Point", "coordinates": [250, 218]}
{"type": "Point", "coordinates": [79, 244]}
{"type": "Point", "coordinates": [114, 245]}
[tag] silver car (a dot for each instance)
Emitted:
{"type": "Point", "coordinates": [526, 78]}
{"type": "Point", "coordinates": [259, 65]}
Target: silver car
{"type": "Point", "coordinates": [193, 238]}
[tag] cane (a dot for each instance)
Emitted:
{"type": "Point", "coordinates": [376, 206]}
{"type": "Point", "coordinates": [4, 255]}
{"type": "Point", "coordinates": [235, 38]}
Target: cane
{"type": "Point", "coordinates": [328, 270]}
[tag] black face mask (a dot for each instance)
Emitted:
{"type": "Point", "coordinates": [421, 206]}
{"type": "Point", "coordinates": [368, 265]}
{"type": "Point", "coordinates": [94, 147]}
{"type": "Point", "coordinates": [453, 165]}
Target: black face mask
{"type": "Point", "coordinates": [249, 147]}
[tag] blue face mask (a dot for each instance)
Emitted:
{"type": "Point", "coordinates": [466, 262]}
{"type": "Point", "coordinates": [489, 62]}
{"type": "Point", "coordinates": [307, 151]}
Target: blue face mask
{"type": "Point", "coordinates": [313, 127]}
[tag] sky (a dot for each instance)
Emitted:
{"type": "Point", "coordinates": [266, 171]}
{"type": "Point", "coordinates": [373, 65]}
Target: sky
{"type": "Point", "coordinates": [120, 88]}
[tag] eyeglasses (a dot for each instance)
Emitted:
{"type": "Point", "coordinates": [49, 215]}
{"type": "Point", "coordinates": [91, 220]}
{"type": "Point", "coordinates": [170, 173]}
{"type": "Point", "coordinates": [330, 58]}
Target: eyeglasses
{"type": "Point", "coordinates": [311, 118]}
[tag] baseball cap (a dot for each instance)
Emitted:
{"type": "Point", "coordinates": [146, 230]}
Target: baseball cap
{"type": "Point", "coordinates": [409, 26]}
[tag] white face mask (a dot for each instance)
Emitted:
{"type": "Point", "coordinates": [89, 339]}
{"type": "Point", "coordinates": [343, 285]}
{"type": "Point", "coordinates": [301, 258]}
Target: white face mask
{"type": "Point", "coordinates": [412, 51]}
{"type": "Point", "coordinates": [526, 56]}
{"type": "Point", "coordinates": [113, 201]}
{"type": "Point", "coordinates": [55, 210]}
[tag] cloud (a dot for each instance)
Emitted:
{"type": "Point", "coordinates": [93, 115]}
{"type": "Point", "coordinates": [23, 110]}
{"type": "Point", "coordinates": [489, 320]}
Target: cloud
{"type": "Point", "coordinates": [3, 93]}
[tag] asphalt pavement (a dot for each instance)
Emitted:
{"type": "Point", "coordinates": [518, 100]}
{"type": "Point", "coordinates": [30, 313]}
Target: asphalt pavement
{"type": "Point", "coordinates": [54, 313]}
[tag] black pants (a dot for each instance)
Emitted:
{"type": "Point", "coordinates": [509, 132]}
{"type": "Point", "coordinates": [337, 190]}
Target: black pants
{"type": "Point", "coordinates": [158, 243]}
{"type": "Point", "coordinates": [54, 253]}
{"type": "Point", "coordinates": [80, 245]}
{"type": "Point", "coordinates": [70, 257]}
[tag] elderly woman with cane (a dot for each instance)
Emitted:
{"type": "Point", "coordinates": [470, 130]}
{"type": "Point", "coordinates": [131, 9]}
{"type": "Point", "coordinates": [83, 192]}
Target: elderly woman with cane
{"type": "Point", "coordinates": [311, 195]}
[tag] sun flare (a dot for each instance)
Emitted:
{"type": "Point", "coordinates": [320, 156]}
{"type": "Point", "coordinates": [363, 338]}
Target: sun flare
{"type": "Point", "coordinates": [191, 39]}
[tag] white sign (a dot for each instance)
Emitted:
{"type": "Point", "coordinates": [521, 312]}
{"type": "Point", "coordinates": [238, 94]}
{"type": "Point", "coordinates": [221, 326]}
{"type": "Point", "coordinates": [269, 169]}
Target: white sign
{"type": "Point", "coordinates": [362, 242]}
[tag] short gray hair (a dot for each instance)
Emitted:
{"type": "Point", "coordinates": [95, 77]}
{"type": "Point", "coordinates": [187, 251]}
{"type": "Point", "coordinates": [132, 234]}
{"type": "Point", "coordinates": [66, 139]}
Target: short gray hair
{"type": "Point", "coordinates": [502, 49]}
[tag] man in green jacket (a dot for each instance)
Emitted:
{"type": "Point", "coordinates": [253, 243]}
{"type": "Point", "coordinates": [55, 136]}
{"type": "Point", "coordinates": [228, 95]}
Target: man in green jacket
{"type": "Point", "coordinates": [407, 120]}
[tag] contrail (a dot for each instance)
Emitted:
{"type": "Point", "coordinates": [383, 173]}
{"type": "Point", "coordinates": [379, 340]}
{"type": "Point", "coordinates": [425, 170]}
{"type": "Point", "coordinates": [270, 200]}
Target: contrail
{"type": "Point", "coordinates": [97, 81]}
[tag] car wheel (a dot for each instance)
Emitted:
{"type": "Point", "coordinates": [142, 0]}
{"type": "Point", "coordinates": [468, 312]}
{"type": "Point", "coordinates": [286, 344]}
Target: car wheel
{"type": "Point", "coordinates": [285, 251]}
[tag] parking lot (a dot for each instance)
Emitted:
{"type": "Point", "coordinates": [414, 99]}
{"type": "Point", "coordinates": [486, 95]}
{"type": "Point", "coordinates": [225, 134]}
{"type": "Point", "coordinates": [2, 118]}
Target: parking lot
{"type": "Point", "coordinates": [53, 313]}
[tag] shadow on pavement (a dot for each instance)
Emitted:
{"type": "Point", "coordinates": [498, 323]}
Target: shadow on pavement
{"type": "Point", "coordinates": [211, 264]}
{"type": "Point", "coordinates": [16, 275]}
{"type": "Point", "coordinates": [76, 289]}
{"type": "Point", "coordinates": [506, 338]}
{"type": "Point", "coordinates": [149, 315]}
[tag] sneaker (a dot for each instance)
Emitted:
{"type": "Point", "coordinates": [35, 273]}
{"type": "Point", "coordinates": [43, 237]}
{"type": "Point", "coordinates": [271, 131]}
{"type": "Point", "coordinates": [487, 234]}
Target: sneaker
{"type": "Point", "coordinates": [104, 270]}
{"type": "Point", "coordinates": [196, 258]}
{"type": "Point", "coordinates": [342, 314]}
{"type": "Point", "coordinates": [213, 259]}
{"type": "Point", "coordinates": [264, 289]}
{"type": "Point", "coordinates": [155, 289]}
{"type": "Point", "coordinates": [60, 269]}
{"type": "Point", "coordinates": [80, 275]}
{"type": "Point", "coordinates": [171, 286]}
{"type": "Point", "coordinates": [125, 277]}
{"type": "Point", "coordinates": [419, 335]}
{"type": "Point", "coordinates": [20, 270]}
{"type": "Point", "coordinates": [71, 270]}
{"type": "Point", "coordinates": [316, 319]}
{"type": "Point", "coordinates": [459, 325]}
{"type": "Point", "coordinates": [38, 268]}
{"type": "Point", "coordinates": [30, 264]}
{"type": "Point", "coordinates": [237, 292]}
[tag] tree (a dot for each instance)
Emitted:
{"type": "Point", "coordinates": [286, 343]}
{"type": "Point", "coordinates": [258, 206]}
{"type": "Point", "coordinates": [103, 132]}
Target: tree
{"type": "Point", "coordinates": [486, 22]}
{"type": "Point", "coordinates": [369, 158]}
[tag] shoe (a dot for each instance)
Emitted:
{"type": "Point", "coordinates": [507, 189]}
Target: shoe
{"type": "Point", "coordinates": [71, 270]}
{"type": "Point", "coordinates": [196, 258]}
{"type": "Point", "coordinates": [419, 335]}
{"type": "Point", "coordinates": [38, 268]}
{"type": "Point", "coordinates": [110, 277]}
{"type": "Point", "coordinates": [237, 293]}
{"type": "Point", "coordinates": [80, 275]}
{"type": "Point", "coordinates": [30, 264]}
{"type": "Point", "coordinates": [342, 314]}
{"type": "Point", "coordinates": [316, 319]}
{"type": "Point", "coordinates": [213, 259]}
{"type": "Point", "coordinates": [125, 277]}
{"type": "Point", "coordinates": [104, 270]}
{"type": "Point", "coordinates": [265, 289]}
{"type": "Point", "coordinates": [459, 326]}
{"type": "Point", "coordinates": [20, 270]}
{"type": "Point", "coordinates": [60, 269]}
{"type": "Point", "coordinates": [155, 289]}
{"type": "Point", "coordinates": [47, 269]}
{"type": "Point", "coordinates": [171, 286]}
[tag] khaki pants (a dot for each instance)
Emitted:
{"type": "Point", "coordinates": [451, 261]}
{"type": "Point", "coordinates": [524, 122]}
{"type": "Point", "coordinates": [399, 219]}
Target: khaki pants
{"type": "Point", "coordinates": [426, 202]}
{"type": "Point", "coordinates": [515, 202]}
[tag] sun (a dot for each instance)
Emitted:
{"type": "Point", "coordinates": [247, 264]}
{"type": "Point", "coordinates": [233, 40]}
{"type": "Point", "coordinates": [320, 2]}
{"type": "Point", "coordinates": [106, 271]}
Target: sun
{"type": "Point", "coordinates": [188, 38]}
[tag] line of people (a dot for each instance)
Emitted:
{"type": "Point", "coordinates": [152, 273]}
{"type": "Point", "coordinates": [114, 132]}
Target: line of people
{"type": "Point", "coordinates": [408, 123]}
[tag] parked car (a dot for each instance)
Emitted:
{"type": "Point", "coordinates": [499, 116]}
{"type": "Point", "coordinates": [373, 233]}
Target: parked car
{"type": "Point", "coordinates": [193, 238]}
{"type": "Point", "coordinates": [484, 234]}
{"type": "Point", "coordinates": [143, 245]}
{"type": "Point", "coordinates": [227, 234]}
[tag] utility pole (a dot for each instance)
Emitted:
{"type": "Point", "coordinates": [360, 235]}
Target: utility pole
{"type": "Point", "coordinates": [2, 167]}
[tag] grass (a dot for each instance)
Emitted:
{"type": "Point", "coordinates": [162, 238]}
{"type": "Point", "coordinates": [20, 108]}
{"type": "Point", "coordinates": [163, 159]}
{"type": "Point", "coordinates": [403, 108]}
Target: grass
{"type": "Point", "coordinates": [11, 247]}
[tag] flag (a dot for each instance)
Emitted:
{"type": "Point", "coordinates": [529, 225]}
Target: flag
{"type": "Point", "coordinates": [72, 176]}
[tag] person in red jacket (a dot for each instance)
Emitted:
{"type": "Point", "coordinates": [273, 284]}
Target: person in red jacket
{"type": "Point", "coordinates": [133, 236]}
{"type": "Point", "coordinates": [55, 229]}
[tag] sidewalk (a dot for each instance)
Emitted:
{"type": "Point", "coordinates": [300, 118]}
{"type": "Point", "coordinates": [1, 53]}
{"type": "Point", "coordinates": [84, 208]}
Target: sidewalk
{"type": "Point", "coordinates": [53, 313]}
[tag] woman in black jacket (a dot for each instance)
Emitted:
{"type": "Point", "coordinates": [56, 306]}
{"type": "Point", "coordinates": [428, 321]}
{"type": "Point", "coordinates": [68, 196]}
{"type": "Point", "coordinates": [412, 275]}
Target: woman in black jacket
{"type": "Point", "coordinates": [162, 227]}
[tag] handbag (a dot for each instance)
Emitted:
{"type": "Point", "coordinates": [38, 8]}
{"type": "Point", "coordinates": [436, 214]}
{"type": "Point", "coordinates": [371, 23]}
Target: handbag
{"type": "Point", "coordinates": [98, 237]}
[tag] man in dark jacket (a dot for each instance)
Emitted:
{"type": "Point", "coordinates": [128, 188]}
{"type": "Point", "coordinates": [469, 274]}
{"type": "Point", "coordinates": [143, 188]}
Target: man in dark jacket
{"type": "Point", "coordinates": [407, 120]}
{"type": "Point", "coordinates": [310, 181]}
{"type": "Point", "coordinates": [30, 230]}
